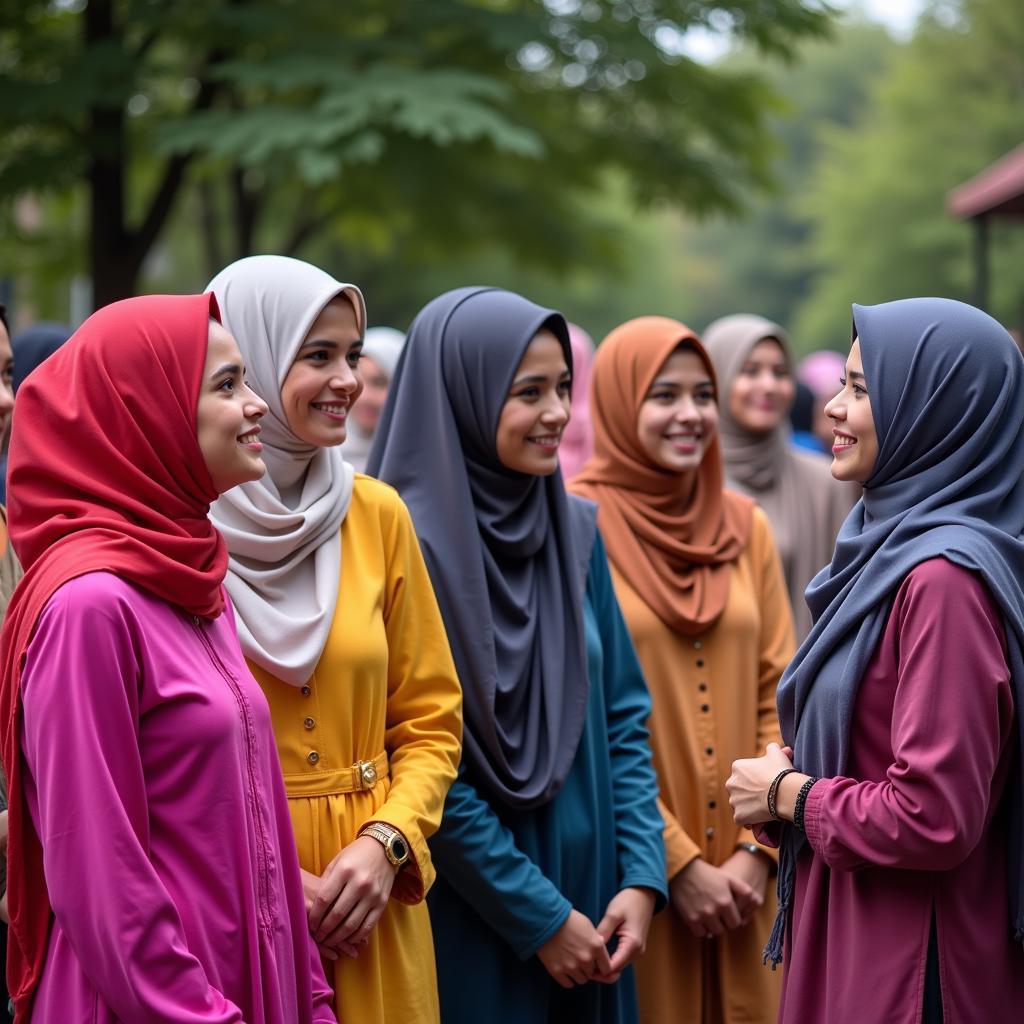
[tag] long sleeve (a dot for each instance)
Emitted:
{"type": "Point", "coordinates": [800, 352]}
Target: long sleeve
{"type": "Point", "coordinates": [641, 849]}
{"type": "Point", "coordinates": [81, 745]}
{"type": "Point", "coordinates": [951, 720]}
{"type": "Point", "coordinates": [777, 644]}
{"type": "Point", "coordinates": [481, 861]}
{"type": "Point", "coordinates": [423, 731]}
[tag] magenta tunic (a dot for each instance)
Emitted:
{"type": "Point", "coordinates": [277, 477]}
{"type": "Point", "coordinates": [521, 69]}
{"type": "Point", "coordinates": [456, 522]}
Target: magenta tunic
{"type": "Point", "coordinates": [917, 828]}
{"type": "Point", "coordinates": [153, 781]}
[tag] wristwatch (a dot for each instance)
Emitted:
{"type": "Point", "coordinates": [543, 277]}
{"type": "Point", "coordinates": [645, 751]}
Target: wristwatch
{"type": "Point", "coordinates": [752, 848]}
{"type": "Point", "coordinates": [395, 847]}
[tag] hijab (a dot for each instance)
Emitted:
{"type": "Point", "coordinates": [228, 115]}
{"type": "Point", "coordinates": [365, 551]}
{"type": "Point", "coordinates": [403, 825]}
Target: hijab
{"type": "Point", "coordinates": [34, 345]}
{"type": "Point", "coordinates": [804, 505]}
{"type": "Point", "coordinates": [384, 346]}
{"type": "Point", "coordinates": [578, 437]}
{"type": "Point", "coordinates": [947, 398]}
{"type": "Point", "coordinates": [106, 475]}
{"type": "Point", "coordinates": [507, 552]}
{"type": "Point", "coordinates": [672, 542]}
{"type": "Point", "coordinates": [283, 531]}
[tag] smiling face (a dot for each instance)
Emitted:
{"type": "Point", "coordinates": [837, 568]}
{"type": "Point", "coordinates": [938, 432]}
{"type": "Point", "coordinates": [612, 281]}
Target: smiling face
{"type": "Point", "coordinates": [324, 380]}
{"type": "Point", "coordinates": [227, 415]}
{"type": "Point", "coordinates": [679, 415]}
{"type": "Point", "coordinates": [536, 410]}
{"type": "Point", "coordinates": [763, 390]}
{"type": "Point", "coordinates": [854, 442]}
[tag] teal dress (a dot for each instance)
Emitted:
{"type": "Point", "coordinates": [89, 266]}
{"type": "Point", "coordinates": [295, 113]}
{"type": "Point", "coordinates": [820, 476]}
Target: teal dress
{"type": "Point", "coordinates": [507, 878]}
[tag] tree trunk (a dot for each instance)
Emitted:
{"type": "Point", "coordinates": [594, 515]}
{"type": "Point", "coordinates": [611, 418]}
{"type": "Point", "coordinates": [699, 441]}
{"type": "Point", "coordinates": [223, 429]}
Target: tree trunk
{"type": "Point", "coordinates": [113, 264]}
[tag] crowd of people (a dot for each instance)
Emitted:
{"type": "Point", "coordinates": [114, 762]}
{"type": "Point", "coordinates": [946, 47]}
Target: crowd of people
{"type": "Point", "coordinates": [480, 674]}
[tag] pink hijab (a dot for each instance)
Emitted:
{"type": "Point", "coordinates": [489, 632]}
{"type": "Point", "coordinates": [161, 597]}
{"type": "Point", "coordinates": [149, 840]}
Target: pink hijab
{"type": "Point", "coordinates": [578, 439]}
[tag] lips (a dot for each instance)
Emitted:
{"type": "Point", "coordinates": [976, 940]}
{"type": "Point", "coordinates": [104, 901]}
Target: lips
{"type": "Point", "coordinates": [251, 440]}
{"type": "Point", "coordinates": [335, 410]}
{"type": "Point", "coordinates": [549, 442]}
{"type": "Point", "coordinates": [842, 441]}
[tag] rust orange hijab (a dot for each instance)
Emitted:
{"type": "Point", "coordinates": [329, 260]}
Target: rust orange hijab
{"type": "Point", "coordinates": [672, 543]}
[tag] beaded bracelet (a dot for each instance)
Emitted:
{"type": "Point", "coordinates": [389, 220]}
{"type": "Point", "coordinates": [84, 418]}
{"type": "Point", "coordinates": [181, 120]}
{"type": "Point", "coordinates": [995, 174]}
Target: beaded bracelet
{"type": "Point", "coordinates": [801, 802]}
{"type": "Point", "coordinates": [773, 792]}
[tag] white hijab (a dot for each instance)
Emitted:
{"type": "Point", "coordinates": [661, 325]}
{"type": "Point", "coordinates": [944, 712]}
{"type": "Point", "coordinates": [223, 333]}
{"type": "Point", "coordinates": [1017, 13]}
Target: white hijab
{"type": "Point", "coordinates": [384, 346]}
{"type": "Point", "coordinates": [283, 531]}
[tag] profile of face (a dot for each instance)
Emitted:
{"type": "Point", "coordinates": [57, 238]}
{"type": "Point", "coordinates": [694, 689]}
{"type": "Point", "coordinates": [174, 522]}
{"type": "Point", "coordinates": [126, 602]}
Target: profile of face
{"type": "Point", "coordinates": [537, 409]}
{"type": "Point", "coordinates": [679, 415]}
{"type": "Point", "coordinates": [366, 412]}
{"type": "Point", "coordinates": [6, 378]}
{"type": "Point", "coordinates": [763, 390]}
{"type": "Point", "coordinates": [324, 381]}
{"type": "Point", "coordinates": [854, 441]}
{"type": "Point", "coordinates": [228, 415]}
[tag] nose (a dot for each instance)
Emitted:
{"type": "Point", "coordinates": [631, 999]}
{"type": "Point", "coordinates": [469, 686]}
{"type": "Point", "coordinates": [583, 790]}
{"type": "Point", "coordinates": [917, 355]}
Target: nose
{"type": "Point", "coordinates": [555, 413]}
{"type": "Point", "coordinates": [255, 408]}
{"type": "Point", "coordinates": [686, 410]}
{"type": "Point", "coordinates": [835, 407]}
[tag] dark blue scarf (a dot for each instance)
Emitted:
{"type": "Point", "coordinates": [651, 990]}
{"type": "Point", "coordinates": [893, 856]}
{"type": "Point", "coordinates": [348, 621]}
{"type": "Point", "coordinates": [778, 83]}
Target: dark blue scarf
{"type": "Point", "coordinates": [946, 385]}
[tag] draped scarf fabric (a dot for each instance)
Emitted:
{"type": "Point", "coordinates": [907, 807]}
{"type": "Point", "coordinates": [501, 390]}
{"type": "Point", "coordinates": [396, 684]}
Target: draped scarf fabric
{"type": "Point", "coordinates": [673, 544]}
{"type": "Point", "coordinates": [507, 552]}
{"type": "Point", "coordinates": [106, 474]}
{"type": "Point", "coordinates": [946, 385]}
{"type": "Point", "coordinates": [283, 531]}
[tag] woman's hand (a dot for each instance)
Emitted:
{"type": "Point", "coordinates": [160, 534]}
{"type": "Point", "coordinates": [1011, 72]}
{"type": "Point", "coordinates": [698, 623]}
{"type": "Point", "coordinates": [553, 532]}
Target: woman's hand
{"type": "Point", "coordinates": [752, 868]}
{"type": "Point", "coordinates": [351, 896]}
{"type": "Point", "coordinates": [576, 953]}
{"type": "Point", "coordinates": [628, 918]}
{"type": "Point", "coordinates": [708, 899]}
{"type": "Point", "coordinates": [749, 782]}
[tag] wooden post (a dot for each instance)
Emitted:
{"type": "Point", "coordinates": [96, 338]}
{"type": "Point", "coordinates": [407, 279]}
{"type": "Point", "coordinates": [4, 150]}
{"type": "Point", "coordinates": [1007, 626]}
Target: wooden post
{"type": "Point", "coordinates": [981, 235]}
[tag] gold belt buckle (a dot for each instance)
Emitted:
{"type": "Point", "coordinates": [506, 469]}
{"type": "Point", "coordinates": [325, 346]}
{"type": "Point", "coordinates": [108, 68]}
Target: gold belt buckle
{"type": "Point", "coordinates": [367, 774]}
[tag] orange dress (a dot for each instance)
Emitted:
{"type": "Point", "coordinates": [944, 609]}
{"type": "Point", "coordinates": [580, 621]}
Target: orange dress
{"type": "Point", "coordinates": [714, 701]}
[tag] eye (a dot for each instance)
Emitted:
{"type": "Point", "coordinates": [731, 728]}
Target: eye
{"type": "Point", "coordinates": [228, 384]}
{"type": "Point", "coordinates": [842, 382]}
{"type": "Point", "coordinates": [565, 387]}
{"type": "Point", "coordinates": [858, 390]}
{"type": "Point", "coordinates": [353, 358]}
{"type": "Point", "coordinates": [530, 392]}
{"type": "Point", "coordinates": [704, 396]}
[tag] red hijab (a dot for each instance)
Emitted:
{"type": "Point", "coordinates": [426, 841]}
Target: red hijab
{"type": "Point", "coordinates": [105, 474]}
{"type": "Point", "coordinates": [673, 541]}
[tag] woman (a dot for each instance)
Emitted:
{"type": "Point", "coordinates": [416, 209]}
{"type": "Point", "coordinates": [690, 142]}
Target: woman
{"type": "Point", "coordinates": [698, 578]}
{"type": "Point", "coordinates": [341, 628]}
{"type": "Point", "coordinates": [578, 439]}
{"type": "Point", "coordinates": [903, 704]}
{"type": "Point", "coordinates": [382, 347]}
{"type": "Point", "coordinates": [152, 873]}
{"type": "Point", "coordinates": [753, 361]}
{"type": "Point", "coordinates": [550, 847]}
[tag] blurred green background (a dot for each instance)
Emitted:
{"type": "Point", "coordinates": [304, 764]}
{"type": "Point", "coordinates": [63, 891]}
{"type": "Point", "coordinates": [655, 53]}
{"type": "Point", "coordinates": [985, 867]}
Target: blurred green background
{"type": "Point", "coordinates": [608, 157]}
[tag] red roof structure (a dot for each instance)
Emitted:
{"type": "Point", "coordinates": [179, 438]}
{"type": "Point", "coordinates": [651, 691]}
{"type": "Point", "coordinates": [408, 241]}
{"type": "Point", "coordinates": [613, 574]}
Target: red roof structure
{"type": "Point", "coordinates": [998, 189]}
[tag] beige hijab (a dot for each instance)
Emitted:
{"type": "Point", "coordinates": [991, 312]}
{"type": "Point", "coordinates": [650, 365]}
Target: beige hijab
{"type": "Point", "coordinates": [803, 502]}
{"type": "Point", "coordinates": [284, 530]}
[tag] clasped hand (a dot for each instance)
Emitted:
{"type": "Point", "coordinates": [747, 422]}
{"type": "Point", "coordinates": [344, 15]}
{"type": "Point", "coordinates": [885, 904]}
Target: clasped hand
{"type": "Point", "coordinates": [346, 902]}
{"type": "Point", "coordinates": [749, 782]}
{"type": "Point", "coordinates": [578, 951]}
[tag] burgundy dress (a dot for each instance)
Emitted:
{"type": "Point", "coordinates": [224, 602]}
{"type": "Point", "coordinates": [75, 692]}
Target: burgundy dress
{"type": "Point", "coordinates": [917, 829]}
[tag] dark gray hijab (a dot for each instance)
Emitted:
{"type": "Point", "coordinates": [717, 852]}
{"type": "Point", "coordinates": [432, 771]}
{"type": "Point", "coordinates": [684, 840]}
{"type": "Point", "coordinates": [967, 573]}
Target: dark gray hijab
{"type": "Point", "coordinates": [507, 552]}
{"type": "Point", "coordinates": [947, 396]}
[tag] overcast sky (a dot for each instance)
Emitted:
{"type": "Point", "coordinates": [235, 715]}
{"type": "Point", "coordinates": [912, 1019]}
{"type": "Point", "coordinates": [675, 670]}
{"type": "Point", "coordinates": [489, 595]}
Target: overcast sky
{"type": "Point", "coordinates": [898, 15]}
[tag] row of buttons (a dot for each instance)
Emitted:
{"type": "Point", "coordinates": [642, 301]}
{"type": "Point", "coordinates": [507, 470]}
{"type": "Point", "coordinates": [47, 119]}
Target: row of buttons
{"type": "Point", "coordinates": [312, 757]}
{"type": "Point", "coordinates": [703, 687]}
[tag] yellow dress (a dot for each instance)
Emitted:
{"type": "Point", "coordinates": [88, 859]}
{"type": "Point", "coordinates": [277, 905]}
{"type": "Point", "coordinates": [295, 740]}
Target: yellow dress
{"type": "Point", "coordinates": [385, 684]}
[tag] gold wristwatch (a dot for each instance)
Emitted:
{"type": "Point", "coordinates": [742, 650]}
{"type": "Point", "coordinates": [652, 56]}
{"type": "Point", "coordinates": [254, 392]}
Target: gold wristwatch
{"type": "Point", "coordinates": [395, 847]}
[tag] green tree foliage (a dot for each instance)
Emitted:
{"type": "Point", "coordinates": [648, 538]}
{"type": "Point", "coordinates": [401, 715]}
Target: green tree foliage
{"type": "Point", "coordinates": [952, 103]}
{"type": "Point", "coordinates": [385, 132]}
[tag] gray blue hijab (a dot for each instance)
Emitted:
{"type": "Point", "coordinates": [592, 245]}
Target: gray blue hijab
{"type": "Point", "coordinates": [507, 552]}
{"type": "Point", "coordinates": [946, 384]}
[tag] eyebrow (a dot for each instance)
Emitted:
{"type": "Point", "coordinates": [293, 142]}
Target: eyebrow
{"type": "Point", "coordinates": [664, 382]}
{"type": "Point", "coordinates": [227, 369]}
{"type": "Point", "coordinates": [539, 378]}
{"type": "Point", "coordinates": [856, 375]}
